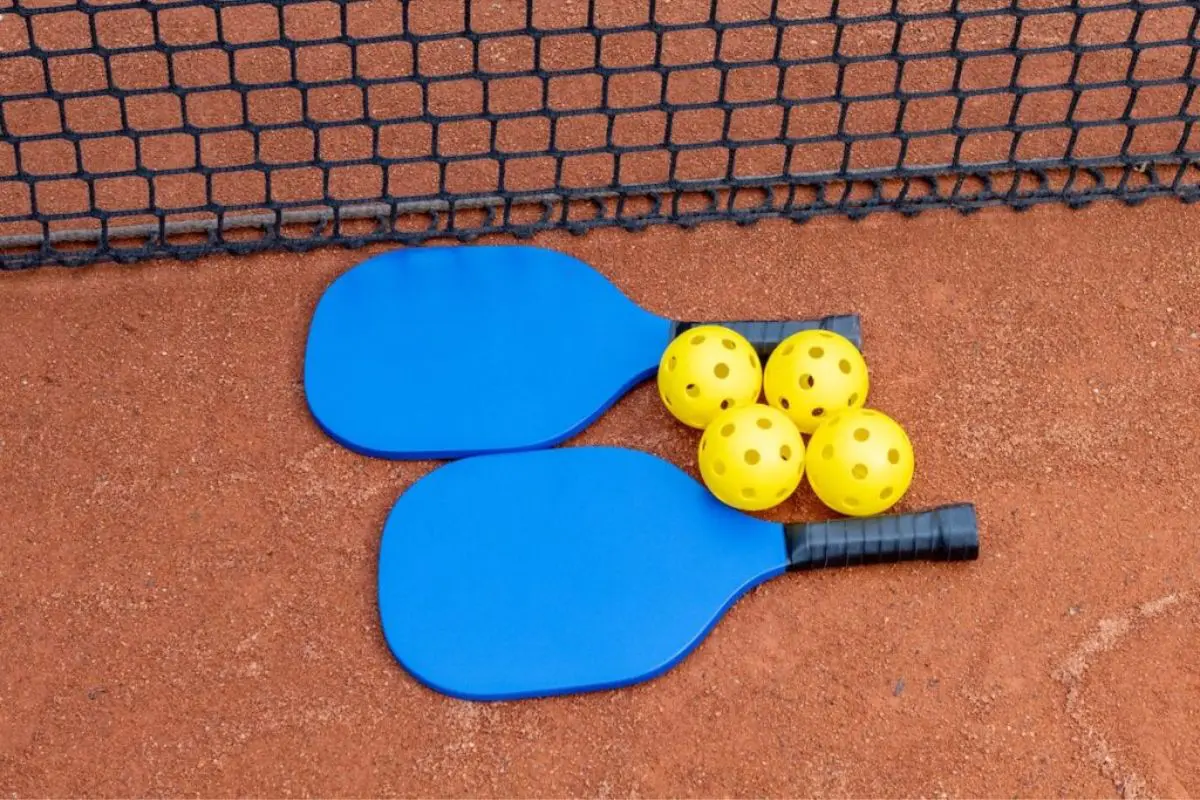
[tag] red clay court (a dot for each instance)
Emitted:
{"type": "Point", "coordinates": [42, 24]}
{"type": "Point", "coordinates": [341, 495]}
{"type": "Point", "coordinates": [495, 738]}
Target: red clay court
{"type": "Point", "coordinates": [190, 562]}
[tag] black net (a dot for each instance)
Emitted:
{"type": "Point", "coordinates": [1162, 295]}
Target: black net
{"type": "Point", "coordinates": [133, 130]}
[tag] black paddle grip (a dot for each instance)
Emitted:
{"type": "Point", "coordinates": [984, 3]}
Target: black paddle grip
{"type": "Point", "coordinates": [947, 533]}
{"type": "Point", "coordinates": [765, 336]}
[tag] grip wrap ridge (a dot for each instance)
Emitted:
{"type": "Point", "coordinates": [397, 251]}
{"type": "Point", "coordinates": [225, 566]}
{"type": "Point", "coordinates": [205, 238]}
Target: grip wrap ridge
{"type": "Point", "coordinates": [947, 533]}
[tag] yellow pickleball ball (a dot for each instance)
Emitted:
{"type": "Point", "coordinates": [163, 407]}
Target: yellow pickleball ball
{"type": "Point", "coordinates": [860, 462]}
{"type": "Point", "coordinates": [812, 374]}
{"type": "Point", "coordinates": [706, 370]}
{"type": "Point", "coordinates": [751, 457]}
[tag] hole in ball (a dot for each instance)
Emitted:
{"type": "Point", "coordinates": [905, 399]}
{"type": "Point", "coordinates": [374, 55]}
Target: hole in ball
{"type": "Point", "coordinates": [787, 349]}
{"type": "Point", "coordinates": [844, 366]}
{"type": "Point", "coordinates": [783, 401]}
{"type": "Point", "coordinates": [861, 434]}
{"type": "Point", "coordinates": [852, 501]}
{"type": "Point", "coordinates": [752, 457]}
{"type": "Point", "coordinates": [894, 456]}
{"type": "Point", "coordinates": [721, 370]}
{"type": "Point", "coordinates": [764, 423]}
{"type": "Point", "coordinates": [818, 411]}
{"type": "Point", "coordinates": [671, 363]}
{"type": "Point", "coordinates": [785, 452]}
{"type": "Point", "coordinates": [806, 381]}
{"type": "Point", "coordinates": [827, 452]}
{"type": "Point", "coordinates": [719, 467]}
{"type": "Point", "coordinates": [852, 399]}
{"type": "Point", "coordinates": [859, 471]}
{"type": "Point", "coordinates": [885, 493]}
{"type": "Point", "coordinates": [692, 390]}
{"type": "Point", "coordinates": [726, 403]}
{"type": "Point", "coordinates": [729, 344]}
{"type": "Point", "coordinates": [748, 492]}
{"type": "Point", "coordinates": [727, 430]}
{"type": "Point", "coordinates": [816, 352]}
{"type": "Point", "coordinates": [698, 338]}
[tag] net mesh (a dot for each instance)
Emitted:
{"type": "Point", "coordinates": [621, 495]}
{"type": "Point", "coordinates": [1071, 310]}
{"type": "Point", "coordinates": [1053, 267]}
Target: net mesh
{"type": "Point", "coordinates": [134, 130]}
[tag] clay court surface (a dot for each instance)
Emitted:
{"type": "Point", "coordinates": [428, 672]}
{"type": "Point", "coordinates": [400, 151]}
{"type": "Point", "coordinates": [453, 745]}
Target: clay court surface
{"type": "Point", "coordinates": [189, 563]}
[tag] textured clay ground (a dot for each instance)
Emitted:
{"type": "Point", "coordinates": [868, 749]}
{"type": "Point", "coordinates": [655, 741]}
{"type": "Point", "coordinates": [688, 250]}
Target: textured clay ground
{"type": "Point", "coordinates": [189, 563]}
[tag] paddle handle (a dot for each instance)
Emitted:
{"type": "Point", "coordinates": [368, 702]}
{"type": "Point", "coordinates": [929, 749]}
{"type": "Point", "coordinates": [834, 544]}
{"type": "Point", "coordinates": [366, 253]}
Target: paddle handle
{"type": "Point", "coordinates": [765, 336]}
{"type": "Point", "coordinates": [946, 533]}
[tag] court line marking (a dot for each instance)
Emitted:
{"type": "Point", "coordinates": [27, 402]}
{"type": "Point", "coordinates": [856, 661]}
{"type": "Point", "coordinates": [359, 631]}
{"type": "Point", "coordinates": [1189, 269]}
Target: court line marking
{"type": "Point", "coordinates": [1107, 635]}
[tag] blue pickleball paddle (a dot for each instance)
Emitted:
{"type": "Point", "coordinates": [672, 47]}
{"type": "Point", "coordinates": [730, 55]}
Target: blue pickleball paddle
{"type": "Point", "coordinates": [444, 352]}
{"type": "Point", "coordinates": [583, 568]}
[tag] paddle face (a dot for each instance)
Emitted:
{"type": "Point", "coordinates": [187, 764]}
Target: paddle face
{"type": "Point", "coordinates": [442, 352]}
{"type": "Point", "coordinates": [563, 570]}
